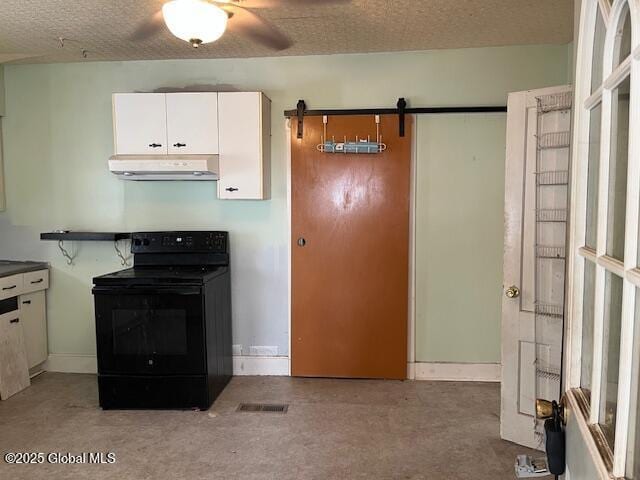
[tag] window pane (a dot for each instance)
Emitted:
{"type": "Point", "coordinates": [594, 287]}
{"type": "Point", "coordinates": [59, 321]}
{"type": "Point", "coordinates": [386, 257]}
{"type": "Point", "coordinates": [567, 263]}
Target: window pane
{"type": "Point", "coordinates": [587, 326]}
{"type": "Point", "coordinates": [618, 170]}
{"type": "Point", "coordinates": [592, 176]}
{"type": "Point", "coordinates": [623, 40]}
{"type": "Point", "coordinates": [633, 448]}
{"type": "Point", "coordinates": [611, 355]}
{"type": "Point", "coordinates": [598, 53]}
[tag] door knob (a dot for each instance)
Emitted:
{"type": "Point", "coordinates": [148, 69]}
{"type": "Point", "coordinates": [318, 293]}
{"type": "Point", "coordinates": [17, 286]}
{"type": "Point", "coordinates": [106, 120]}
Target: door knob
{"type": "Point", "coordinates": [302, 242]}
{"type": "Point", "coordinates": [512, 292]}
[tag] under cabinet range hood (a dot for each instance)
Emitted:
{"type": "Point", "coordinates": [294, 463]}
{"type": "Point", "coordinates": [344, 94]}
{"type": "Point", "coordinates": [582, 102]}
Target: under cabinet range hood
{"type": "Point", "coordinates": [165, 167]}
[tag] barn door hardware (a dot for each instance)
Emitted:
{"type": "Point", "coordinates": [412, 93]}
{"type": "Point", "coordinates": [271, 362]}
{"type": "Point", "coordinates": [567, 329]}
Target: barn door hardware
{"type": "Point", "coordinates": [300, 108]}
{"type": "Point", "coordinates": [402, 105]}
{"type": "Point", "coordinates": [401, 110]}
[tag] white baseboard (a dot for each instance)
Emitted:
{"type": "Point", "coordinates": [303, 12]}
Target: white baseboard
{"type": "Point", "coordinates": [242, 365]}
{"type": "Point", "coordinates": [258, 365]}
{"type": "Point", "coordinates": [71, 363]}
{"type": "Point", "coordinates": [458, 372]}
{"type": "Point", "coordinates": [411, 371]}
{"type": "Point", "coordinates": [279, 366]}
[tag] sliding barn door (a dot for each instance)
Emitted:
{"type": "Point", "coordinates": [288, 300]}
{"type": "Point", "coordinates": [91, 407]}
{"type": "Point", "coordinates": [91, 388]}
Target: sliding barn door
{"type": "Point", "coordinates": [350, 251]}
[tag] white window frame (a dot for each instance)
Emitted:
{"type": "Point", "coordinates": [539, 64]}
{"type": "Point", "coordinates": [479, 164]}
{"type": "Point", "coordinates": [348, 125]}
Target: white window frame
{"type": "Point", "coordinates": [613, 17]}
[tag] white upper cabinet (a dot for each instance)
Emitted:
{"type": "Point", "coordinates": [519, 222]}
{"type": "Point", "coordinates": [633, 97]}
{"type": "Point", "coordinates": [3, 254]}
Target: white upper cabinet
{"type": "Point", "coordinates": [245, 145]}
{"type": "Point", "coordinates": [140, 123]}
{"type": "Point", "coordinates": [192, 123]}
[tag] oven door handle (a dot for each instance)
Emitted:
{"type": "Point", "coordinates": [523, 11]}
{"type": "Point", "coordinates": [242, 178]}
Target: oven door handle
{"type": "Point", "coordinates": [106, 290]}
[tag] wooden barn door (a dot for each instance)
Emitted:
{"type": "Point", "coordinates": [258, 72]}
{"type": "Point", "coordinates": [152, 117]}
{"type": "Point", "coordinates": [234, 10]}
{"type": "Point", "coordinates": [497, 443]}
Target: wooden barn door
{"type": "Point", "coordinates": [350, 251]}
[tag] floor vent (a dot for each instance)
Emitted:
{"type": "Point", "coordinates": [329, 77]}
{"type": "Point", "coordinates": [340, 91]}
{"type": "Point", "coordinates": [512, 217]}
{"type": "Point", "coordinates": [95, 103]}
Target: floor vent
{"type": "Point", "coordinates": [263, 407]}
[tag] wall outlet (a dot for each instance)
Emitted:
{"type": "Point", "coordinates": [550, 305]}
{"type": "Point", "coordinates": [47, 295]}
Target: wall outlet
{"type": "Point", "coordinates": [237, 350]}
{"type": "Point", "coordinates": [263, 350]}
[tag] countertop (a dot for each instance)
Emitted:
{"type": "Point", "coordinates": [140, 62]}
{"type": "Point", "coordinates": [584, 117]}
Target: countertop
{"type": "Point", "coordinates": [10, 267]}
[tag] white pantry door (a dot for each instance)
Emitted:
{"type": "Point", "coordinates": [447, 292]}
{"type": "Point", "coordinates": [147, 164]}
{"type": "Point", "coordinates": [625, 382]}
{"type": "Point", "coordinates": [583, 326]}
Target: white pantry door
{"type": "Point", "coordinates": [536, 177]}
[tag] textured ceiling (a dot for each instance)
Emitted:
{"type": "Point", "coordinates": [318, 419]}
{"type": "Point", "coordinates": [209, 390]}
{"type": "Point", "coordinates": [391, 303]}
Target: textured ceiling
{"type": "Point", "coordinates": [29, 29]}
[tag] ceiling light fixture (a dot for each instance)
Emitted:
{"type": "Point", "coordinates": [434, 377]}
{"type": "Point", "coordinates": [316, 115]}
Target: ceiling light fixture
{"type": "Point", "coordinates": [195, 21]}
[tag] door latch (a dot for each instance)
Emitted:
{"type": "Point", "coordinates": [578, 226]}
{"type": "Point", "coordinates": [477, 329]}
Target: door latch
{"type": "Point", "coordinates": [512, 292]}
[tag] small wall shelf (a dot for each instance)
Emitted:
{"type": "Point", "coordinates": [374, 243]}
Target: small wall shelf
{"type": "Point", "coordinates": [71, 236]}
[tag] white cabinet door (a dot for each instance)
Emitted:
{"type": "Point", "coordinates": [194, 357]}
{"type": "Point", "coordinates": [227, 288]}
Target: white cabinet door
{"type": "Point", "coordinates": [192, 123]}
{"type": "Point", "coordinates": [140, 123]}
{"type": "Point", "coordinates": [244, 145]}
{"type": "Point", "coordinates": [14, 373]}
{"type": "Point", "coordinates": [33, 317]}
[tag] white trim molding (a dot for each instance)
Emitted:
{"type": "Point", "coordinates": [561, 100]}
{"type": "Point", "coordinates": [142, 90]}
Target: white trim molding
{"type": "Point", "coordinates": [458, 372]}
{"type": "Point", "coordinates": [71, 363]}
{"type": "Point", "coordinates": [242, 364]}
{"type": "Point", "coordinates": [258, 365]}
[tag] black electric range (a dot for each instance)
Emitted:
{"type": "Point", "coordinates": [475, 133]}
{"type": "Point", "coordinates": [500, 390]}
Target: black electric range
{"type": "Point", "coordinates": [163, 327]}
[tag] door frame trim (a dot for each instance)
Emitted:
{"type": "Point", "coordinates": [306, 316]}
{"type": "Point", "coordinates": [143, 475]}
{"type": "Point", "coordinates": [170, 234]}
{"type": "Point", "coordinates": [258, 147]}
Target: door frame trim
{"type": "Point", "coordinates": [411, 347]}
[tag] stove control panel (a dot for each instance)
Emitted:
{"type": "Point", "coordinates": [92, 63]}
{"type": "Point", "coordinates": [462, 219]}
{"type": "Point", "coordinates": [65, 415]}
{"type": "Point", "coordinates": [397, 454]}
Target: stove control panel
{"type": "Point", "coordinates": [173, 242]}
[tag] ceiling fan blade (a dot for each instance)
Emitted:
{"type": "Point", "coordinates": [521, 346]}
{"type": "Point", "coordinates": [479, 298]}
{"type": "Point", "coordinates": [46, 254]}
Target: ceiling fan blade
{"type": "Point", "coordinates": [150, 27]}
{"type": "Point", "coordinates": [250, 25]}
{"type": "Point", "coordinates": [278, 3]}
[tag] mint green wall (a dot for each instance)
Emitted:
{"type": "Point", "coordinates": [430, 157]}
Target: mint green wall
{"type": "Point", "coordinates": [58, 137]}
{"type": "Point", "coordinates": [1, 90]}
{"type": "Point", "coordinates": [459, 233]}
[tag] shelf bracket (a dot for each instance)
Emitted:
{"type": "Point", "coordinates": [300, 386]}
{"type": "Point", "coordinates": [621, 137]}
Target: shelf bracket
{"type": "Point", "coordinates": [65, 253]}
{"type": "Point", "coordinates": [124, 261]}
{"type": "Point", "coordinates": [300, 108]}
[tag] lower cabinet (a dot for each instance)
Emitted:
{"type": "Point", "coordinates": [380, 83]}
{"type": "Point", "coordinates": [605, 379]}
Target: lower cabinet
{"type": "Point", "coordinates": [14, 374]}
{"type": "Point", "coordinates": [33, 316]}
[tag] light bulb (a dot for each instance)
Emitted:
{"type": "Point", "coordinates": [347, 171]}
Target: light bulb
{"type": "Point", "coordinates": [194, 21]}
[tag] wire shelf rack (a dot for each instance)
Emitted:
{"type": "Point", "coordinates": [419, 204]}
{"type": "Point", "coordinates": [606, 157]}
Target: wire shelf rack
{"type": "Point", "coordinates": [548, 310]}
{"type": "Point", "coordinates": [553, 177]}
{"type": "Point", "coordinates": [555, 102]}
{"type": "Point", "coordinates": [551, 215]}
{"type": "Point", "coordinates": [548, 373]}
{"type": "Point", "coordinates": [544, 251]}
{"type": "Point", "coordinates": [554, 140]}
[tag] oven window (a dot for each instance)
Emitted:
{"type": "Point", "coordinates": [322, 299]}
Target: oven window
{"type": "Point", "coordinates": [149, 332]}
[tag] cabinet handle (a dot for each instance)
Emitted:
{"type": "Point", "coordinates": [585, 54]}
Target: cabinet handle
{"type": "Point", "coordinates": [27, 302]}
{"type": "Point", "coordinates": [10, 288]}
{"type": "Point", "coordinates": [15, 320]}
{"type": "Point", "coordinates": [40, 280]}
{"type": "Point", "coordinates": [231, 189]}
{"type": "Point", "coordinates": [155, 145]}
{"type": "Point", "coordinates": [179, 144]}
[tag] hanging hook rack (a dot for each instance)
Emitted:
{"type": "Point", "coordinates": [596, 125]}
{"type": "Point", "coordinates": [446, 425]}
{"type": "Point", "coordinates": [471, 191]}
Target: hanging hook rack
{"type": "Point", "coordinates": [65, 253]}
{"type": "Point", "coordinates": [348, 146]}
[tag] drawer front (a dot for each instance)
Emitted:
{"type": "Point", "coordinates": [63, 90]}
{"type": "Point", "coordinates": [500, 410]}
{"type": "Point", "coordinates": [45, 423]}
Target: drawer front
{"type": "Point", "coordinates": [11, 286]}
{"type": "Point", "coordinates": [34, 281]}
